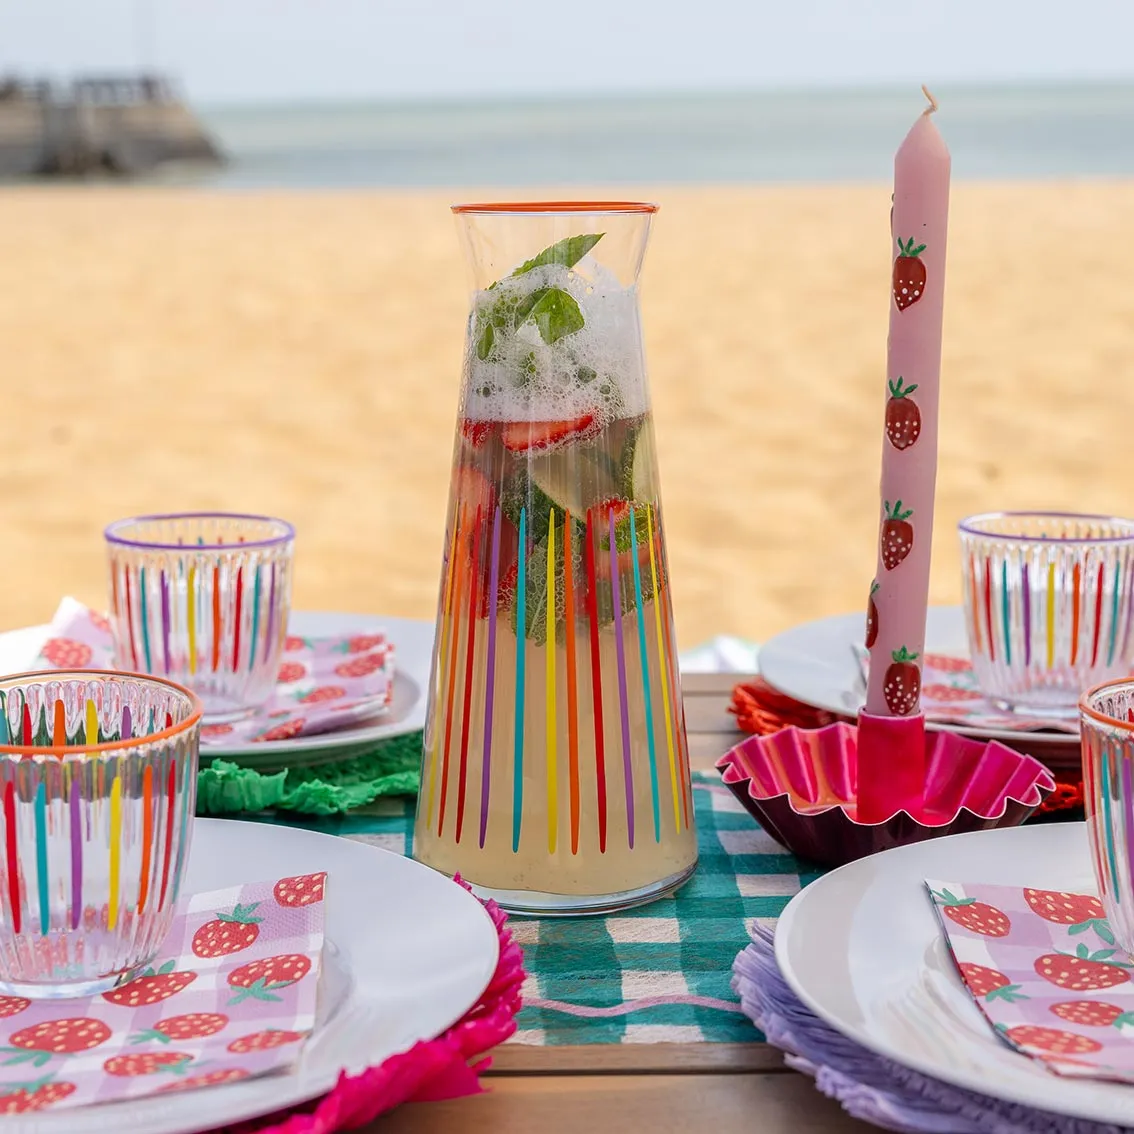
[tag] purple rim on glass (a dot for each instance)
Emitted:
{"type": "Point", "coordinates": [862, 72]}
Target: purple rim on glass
{"type": "Point", "coordinates": [286, 531]}
{"type": "Point", "coordinates": [970, 525]}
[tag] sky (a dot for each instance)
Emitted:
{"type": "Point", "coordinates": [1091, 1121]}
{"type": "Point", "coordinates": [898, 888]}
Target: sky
{"type": "Point", "coordinates": [255, 51]}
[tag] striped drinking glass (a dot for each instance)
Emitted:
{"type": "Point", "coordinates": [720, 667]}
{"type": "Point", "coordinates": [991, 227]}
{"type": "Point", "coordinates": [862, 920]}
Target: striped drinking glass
{"type": "Point", "coordinates": [1047, 605]}
{"type": "Point", "coordinates": [203, 599]}
{"type": "Point", "coordinates": [1106, 721]}
{"type": "Point", "coordinates": [98, 775]}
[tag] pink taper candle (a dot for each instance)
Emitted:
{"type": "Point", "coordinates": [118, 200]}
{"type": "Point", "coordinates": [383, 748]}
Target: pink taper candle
{"type": "Point", "coordinates": [909, 444]}
{"type": "Point", "coordinates": [899, 595]}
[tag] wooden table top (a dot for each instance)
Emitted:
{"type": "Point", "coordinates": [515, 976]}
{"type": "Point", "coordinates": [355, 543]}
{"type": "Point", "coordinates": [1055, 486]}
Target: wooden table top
{"type": "Point", "coordinates": [640, 1087]}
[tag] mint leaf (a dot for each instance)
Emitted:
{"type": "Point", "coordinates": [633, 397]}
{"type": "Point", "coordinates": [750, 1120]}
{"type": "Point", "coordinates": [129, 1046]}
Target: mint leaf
{"type": "Point", "coordinates": [485, 342]}
{"type": "Point", "coordinates": [567, 252]}
{"type": "Point", "coordinates": [555, 313]}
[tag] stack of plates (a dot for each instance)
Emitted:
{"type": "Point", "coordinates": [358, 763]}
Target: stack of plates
{"type": "Point", "coordinates": [863, 949]}
{"type": "Point", "coordinates": [413, 642]}
{"type": "Point", "coordinates": [406, 955]}
{"type": "Point", "coordinates": [817, 663]}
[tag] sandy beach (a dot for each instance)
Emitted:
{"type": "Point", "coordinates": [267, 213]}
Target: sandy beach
{"type": "Point", "coordinates": [299, 354]}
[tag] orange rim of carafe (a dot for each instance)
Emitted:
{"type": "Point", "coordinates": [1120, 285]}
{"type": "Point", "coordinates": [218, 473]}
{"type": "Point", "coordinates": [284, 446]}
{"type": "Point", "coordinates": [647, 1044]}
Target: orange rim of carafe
{"type": "Point", "coordinates": [558, 207]}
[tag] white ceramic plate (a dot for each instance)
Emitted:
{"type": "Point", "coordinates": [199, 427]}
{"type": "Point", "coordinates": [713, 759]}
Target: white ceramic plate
{"type": "Point", "coordinates": [816, 663]}
{"type": "Point", "coordinates": [407, 954]}
{"type": "Point", "coordinates": [412, 639]}
{"type": "Point", "coordinates": [863, 949]}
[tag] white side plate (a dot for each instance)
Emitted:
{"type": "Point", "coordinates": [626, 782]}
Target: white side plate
{"type": "Point", "coordinates": [862, 948]}
{"type": "Point", "coordinates": [408, 953]}
{"type": "Point", "coordinates": [413, 640]}
{"type": "Point", "coordinates": [816, 663]}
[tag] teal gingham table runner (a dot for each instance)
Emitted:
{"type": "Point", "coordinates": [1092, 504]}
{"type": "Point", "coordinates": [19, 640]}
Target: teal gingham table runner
{"type": "Point", "coordinates": [656, 974]}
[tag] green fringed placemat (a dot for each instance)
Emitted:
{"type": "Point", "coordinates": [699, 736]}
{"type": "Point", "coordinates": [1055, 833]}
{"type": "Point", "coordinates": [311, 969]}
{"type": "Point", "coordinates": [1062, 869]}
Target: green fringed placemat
{"type": "Point", "coordinates": [391, 767]}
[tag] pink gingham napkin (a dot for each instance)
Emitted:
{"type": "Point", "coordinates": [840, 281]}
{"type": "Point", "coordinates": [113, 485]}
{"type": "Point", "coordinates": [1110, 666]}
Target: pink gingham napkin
{"type": "Point", "coordinates": [949, 695]}
{"type": "Point", "coordinates": [230, 996]}
{"type": "Point", "coordinates": [325, 683]}
{"type": "Point", "coordinates": [1044, 969]}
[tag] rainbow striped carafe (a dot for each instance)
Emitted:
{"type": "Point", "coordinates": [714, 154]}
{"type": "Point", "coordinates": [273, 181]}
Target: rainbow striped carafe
{"type": "Point", "coordinates": [555, 774]}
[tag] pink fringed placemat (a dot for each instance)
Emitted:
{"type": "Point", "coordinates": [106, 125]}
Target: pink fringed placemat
{"type": "Point", "coordinates": [447, 1067]}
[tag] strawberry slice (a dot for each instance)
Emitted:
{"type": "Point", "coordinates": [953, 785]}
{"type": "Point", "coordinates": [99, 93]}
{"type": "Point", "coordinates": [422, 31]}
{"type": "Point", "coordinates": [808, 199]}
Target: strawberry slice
{"type": "Point", "coordinates": [476, 432]}
{"type": "Point", "coordinates": [474, 492]}
{"type": "Point", "coordinates": [528, 436]}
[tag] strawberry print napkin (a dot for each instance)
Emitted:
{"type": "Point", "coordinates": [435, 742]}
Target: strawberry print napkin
{"type": "Point", "coordinates": [950, 695]}
{"type": "Point", "coordinates": [325, 683]}
{"type": "Point", "coordinates": [1044, 969]}
{"type": "Point", "coordinates": [230, 996]}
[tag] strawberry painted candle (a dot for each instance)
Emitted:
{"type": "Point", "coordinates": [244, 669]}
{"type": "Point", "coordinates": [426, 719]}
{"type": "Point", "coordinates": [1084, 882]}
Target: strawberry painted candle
{"type": "Point", "coordinates": [899, 593]}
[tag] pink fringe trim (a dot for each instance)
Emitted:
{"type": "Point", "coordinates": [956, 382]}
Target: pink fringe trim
{"type": "Point", "coordinates": [444, 1068]}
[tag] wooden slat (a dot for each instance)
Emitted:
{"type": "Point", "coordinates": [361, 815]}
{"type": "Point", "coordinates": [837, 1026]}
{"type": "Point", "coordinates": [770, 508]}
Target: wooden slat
{"type": "Point", "coordinates": [630, 1104]}
{"type": "Point", "coordinates": [636, 1058]}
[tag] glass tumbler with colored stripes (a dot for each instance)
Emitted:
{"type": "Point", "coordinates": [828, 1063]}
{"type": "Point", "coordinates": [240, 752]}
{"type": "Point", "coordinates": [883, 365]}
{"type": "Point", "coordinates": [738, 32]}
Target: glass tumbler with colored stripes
{"type": "Point", "coordinates": [98, 778]}
{"type": "Point", "coordinates": [1106, 723]}
{"type": "Point", "coordinates": [1048, 603]}
{"type": "Point", "coordinates": [555, 774]}
{"type": "Point", "coordinates": [203, 599]}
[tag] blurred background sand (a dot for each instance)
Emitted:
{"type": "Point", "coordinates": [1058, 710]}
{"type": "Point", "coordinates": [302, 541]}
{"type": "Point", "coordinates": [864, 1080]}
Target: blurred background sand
{"type": "Point", "coordinates": [299, 354]}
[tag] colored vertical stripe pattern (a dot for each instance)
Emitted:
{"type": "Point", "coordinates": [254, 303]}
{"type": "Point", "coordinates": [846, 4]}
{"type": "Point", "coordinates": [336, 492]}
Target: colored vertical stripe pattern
{"type": "Point", "coordinates": [1050, 615]}
{"type": "Point", "coordinates": [216, 619]}
{"type": "Point", "coordinates": [130, 620]}
{"type": "Point", "coordinates": [988, 610]}
{"type": "Point", "coordinates": [191, 617]}
{"type": "Point", "coordinates": [552, 725]}
{"type": "Point", "coordinates": [470, 650]}
{"type": "Point", "coordinates": [1076, 577]}
{"type": "Point", "coordinates": [447, 619]}
{"type": "Point", "coordinates": [591, 538]}
{"type": "Point", "coordinates": [663, 677]}
{"type": "Point", "coordinates": [1114, 619]}
{"type": "Point", "coordinates": [572, 683]}
{"type": "Point", "coordinates": [678, 714]}
{"type": "Point", "coordinates": [451, 691]}
{"type": "Point", "coordinates": [11, 855]}
{"type": "Point", "coordinates": [165, 620]}
{"type": "Point", "coordinates": [490, 676]}
{"type": "Point", "coordinates": [255, 619]}
{"type": "Point", "coordinates": [238, 619]}
{"type": "Point", "coordinates": [115, 850]}
{"type": "Point", "coordinates": [1026, 592]}
{"type": "Point", "coordinates": [521, 638]}
{"type": "Point", "coordinates": [620, 654]}
{"type": "Point", "coordinates": [1005, 612]}
{"type": "Point", "coordinates": [41, 858]}
{"type": "Point", "coordinates": [975, 591]}
{"type": "Point", "coordinates": [147, 836]}
{"type": "Point", "coordinates": [170, 816]}
{"type": "Point", "coordinates": [144, 619]}
{"type": "Point", "coordinates": [76, 849]}
{"type": "Point", "coordinates": [1098, 617]}
{"type": "Point", "coordinates": [646, 692]}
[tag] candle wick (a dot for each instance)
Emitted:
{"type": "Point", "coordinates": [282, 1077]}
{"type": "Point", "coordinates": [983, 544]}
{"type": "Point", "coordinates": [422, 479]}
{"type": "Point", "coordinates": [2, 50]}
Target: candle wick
{"type": "Point", "coordinates": [932, 101]}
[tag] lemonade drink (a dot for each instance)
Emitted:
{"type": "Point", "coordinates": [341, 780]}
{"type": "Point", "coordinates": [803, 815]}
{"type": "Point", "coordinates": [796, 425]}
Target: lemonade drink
{"type": "Point", "coordinates": [555, 771]}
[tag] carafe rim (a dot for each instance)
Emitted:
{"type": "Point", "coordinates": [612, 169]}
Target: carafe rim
{"type": "Point", "coordinates": [551, 207]}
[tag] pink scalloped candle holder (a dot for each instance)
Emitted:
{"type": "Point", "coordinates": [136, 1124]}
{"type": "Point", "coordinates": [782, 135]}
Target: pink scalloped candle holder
{"type": "Point", "coordinates": [800, 785]}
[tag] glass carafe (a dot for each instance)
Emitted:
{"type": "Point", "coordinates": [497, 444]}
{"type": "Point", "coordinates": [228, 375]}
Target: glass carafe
{"type": "Point", "coordinates": [555, 775]}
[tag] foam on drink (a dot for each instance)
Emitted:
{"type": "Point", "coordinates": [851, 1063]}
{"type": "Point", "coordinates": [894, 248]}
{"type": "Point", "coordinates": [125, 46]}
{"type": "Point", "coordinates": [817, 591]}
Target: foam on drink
{"type": "Point", "coordinates": [594, 370]}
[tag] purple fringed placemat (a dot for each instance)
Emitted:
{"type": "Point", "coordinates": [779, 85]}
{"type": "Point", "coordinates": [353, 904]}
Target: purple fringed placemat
{"type": "Point", "coordinates": [867, 1086]}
